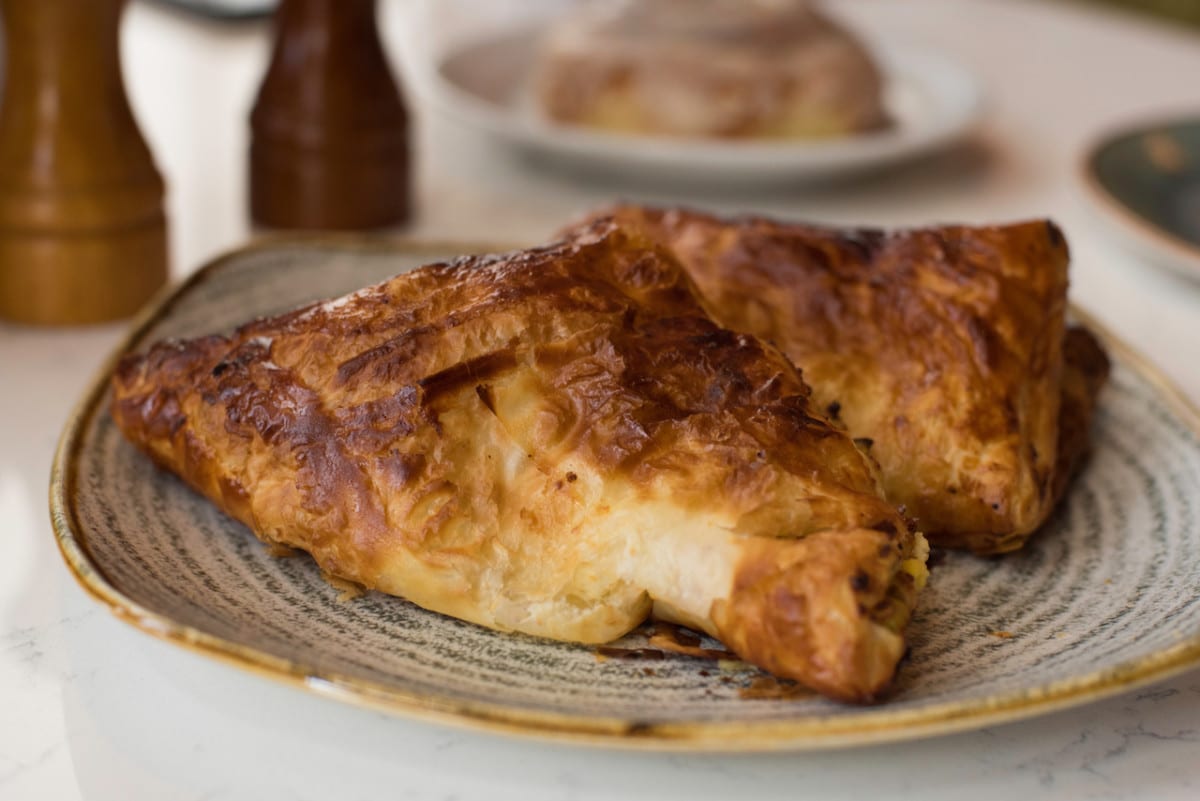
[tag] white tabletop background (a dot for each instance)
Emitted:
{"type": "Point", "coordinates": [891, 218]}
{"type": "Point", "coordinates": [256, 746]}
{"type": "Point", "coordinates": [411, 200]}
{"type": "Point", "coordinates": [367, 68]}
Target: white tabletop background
{"type": "Point", "coordinates": [92, 709]}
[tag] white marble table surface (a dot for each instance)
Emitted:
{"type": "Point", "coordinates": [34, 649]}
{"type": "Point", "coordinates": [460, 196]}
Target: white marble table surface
{"type": "Point", "coordinates": [92, 709]}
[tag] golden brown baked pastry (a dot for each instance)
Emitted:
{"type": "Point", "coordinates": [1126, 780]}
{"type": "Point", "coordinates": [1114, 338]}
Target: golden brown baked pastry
{"type": "Point", "coordinates": [1085, 371]}
{"type": "Point", "coordinates": [709, 68]}
{"type": "Point", "coordinates": [940, 349]}
{"type": "Point", "coordinates": [554, 441]}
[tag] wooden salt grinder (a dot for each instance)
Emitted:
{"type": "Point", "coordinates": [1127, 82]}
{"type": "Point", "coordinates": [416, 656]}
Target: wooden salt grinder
{"type": "Point", "coordinates": [82, 231]}
{"type": "Point", "coordinates": [329, 145]}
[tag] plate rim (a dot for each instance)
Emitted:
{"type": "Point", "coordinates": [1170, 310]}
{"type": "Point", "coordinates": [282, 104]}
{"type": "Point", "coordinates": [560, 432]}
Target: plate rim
{"type": "Point", "coordinates": [820, 732]}
{"type": "Point", "coordinates": [1168, 250]}
{"type": "Point", "coordinates": [750, 158]}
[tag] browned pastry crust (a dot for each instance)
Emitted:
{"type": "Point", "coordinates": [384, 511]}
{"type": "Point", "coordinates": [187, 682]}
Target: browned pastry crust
{"type": "Point", "coordinates": [1085, 371]}
{"type": "Point", "coordinates": [940, 349]}
{"type": "Point", "coordinates": [552, 441]}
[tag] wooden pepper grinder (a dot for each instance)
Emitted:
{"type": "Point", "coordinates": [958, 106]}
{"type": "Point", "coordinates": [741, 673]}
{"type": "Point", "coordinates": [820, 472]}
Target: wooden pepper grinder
{"type": "Point", "coordinates": [329, 144]}
{"type": "Point", "coordinates": [82, 231]}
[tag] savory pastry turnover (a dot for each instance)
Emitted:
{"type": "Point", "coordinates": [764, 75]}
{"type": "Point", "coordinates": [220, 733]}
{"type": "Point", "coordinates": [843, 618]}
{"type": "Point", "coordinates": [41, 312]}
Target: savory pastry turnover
{"type": "Point", "coordinates": [709, 68]}
{"type": "Point", "coordinates": [555, 441]}
{"type": "Point", "coordinates": [941, 350]}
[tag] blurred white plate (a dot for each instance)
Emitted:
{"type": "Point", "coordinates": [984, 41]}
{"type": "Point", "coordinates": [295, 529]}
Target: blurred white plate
{"type": "Point", "coordinates": [485, 85]}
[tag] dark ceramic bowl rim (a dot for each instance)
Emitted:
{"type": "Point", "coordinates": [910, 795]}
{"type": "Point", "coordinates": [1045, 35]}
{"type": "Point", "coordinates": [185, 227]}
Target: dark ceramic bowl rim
{"type": "Point", "coordinates": [1143, 228]}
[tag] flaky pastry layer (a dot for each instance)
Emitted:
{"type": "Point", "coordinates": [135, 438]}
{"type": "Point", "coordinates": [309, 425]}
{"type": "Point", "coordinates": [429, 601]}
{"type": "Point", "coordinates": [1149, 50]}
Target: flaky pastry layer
{"type": "Point", "coordinates": [555, 441]}
{"type": "Point", "coordinates": [941, 350]}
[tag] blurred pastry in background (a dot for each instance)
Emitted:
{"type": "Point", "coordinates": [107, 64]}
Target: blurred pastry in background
{"type": "Point", "coordinates": [776, 69]}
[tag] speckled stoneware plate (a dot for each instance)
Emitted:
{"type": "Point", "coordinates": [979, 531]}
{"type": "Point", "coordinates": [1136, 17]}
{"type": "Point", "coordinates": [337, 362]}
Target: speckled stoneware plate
{"type": "Point", "coordinates": [1145, 181]}
{"type": "Point", "coordinates": [1106, 598]}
